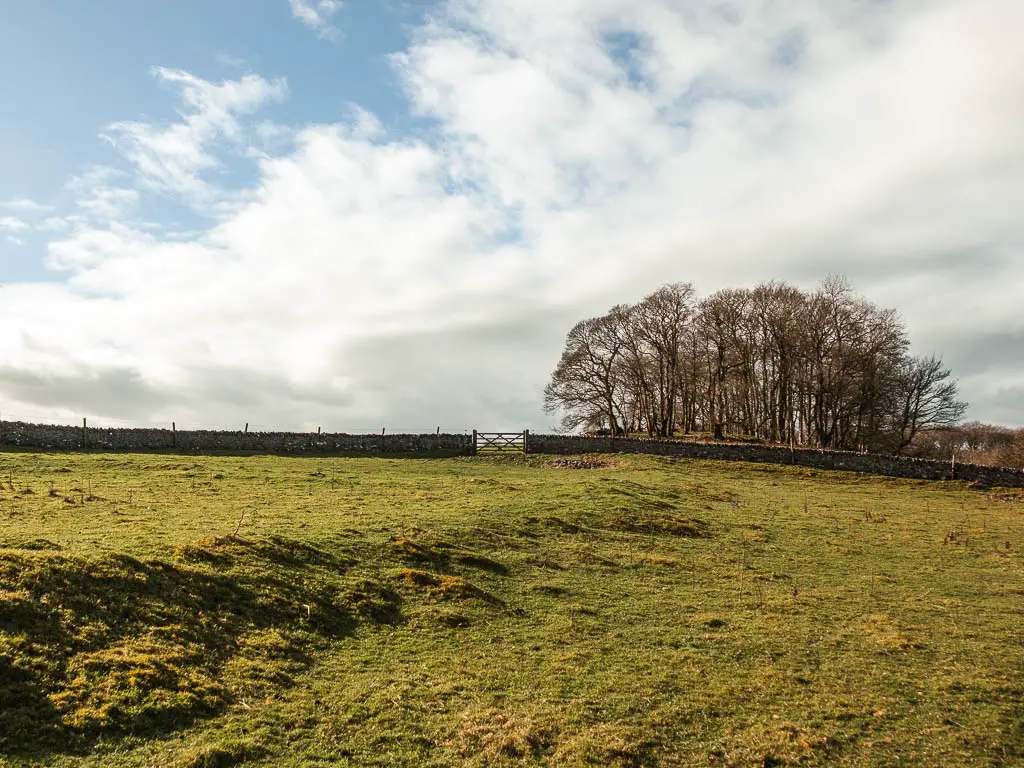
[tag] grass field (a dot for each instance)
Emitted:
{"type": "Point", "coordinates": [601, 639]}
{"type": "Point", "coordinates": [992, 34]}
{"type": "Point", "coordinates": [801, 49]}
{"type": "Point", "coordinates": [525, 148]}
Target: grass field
{"type": "Point", "coordinates": [161, 610]}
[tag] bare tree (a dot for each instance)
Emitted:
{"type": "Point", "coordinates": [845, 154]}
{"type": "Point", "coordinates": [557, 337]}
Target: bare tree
{"type": "Point", "coordinates": [660, 324]}
{"type": "Point", "coordinates": [927, 399]}
{"type": "Point", "coordinates": [718, 322]}
{"type": "Point", "coordinates": [585, 383]}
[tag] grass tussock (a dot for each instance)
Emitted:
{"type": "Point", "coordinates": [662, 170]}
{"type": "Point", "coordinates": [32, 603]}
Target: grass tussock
{"type": "Point", "coordinates": [661, 525]}
{"type": "Point", "coordinates": [224, 755]}
{"type": "Point", "coordinates": [502, 738]}
{"type": "Point", "coordinates": [442, 587]}
{"type": "Point", "coordinates": [495, 737]}
{"type": "Point", "coordinates": [615, 745]}
{"type": "Point", "coordinates": [442, 554]}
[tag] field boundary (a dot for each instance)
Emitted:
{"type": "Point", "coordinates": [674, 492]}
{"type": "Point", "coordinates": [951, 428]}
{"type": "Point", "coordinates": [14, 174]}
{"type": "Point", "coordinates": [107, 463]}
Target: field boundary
{"type": "Point", "coordinates": [22, 435]}
{"type": "Point", "coordinates": [500, 442]}
{"type": "Point", "coordinates": [875, 464]}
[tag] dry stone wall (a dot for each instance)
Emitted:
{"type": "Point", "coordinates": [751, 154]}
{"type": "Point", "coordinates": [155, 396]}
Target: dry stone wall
{"type": "Point", "coordinates": [890, 466]}
{"type": "Point", "coordinates": [49, 437]}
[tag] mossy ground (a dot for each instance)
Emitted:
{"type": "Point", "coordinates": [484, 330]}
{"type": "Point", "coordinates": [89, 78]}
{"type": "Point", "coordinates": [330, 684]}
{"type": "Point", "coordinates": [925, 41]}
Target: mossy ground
{"type": "Point", "coordinates": [622, 611]}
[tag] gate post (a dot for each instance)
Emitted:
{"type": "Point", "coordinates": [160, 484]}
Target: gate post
{"type": "Point", "coordinates": [526, 441]}
{"type": "Point", "coordinates": [472, 449]}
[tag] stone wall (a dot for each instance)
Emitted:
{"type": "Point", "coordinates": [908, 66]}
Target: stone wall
{"type": "Point", "coordinates": [890, 466]}
{"type": "Point", "coordinates": [49, 437]}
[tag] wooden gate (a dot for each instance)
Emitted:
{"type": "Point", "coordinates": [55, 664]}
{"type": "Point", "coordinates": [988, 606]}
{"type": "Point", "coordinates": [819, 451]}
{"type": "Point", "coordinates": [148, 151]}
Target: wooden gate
{"type": "Point", "coordinates": [500, 442]}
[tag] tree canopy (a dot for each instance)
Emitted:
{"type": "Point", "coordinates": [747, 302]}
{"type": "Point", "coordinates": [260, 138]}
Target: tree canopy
{"type": "Point", "coordinates": [825, 368]}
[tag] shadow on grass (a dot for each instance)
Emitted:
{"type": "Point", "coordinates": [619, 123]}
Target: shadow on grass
{"type": "Point", "coordinates": [110, 645]}
{"type": "Point", "coordinates": [444, 555]}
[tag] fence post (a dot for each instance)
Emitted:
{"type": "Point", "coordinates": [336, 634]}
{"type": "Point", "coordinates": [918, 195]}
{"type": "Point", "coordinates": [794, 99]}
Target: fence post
{"type": "Point", "coordinates": [174, 435]}
{"type": "Point", "coordinates": [472, 448]}
{"type": "Point", "coordinates": [526, 441]}
{"type": "Point", "coordinates": [85, 434]}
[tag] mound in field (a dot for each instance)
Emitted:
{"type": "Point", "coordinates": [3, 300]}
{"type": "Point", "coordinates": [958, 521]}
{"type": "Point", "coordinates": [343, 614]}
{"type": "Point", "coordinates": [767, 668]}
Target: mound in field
{"type": "Point", "coordinates": [112, 644]}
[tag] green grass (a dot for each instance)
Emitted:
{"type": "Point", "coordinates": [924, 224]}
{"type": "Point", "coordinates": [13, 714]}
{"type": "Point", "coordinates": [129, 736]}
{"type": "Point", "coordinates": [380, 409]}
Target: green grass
{"type": "Point", "coordinates": [500, 611]}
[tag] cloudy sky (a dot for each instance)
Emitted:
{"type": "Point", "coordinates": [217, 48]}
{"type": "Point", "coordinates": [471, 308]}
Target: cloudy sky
{"type": "Point", "coordinates": [366, 213]}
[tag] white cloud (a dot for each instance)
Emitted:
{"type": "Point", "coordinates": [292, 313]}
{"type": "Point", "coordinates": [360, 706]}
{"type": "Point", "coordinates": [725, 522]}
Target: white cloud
{"type": "Point", "coordinates": [316, 14]}
{"type": "Point", "coordinates": [53, 224]}
{"type": "Point", "coordinates": [12, 224]}
{"type": "Point", "coordinates": [585, 151]}
{"type": "Point", "coordinates": [14, 240]}
{"type": "Point", "coordinates": [98, 197]}
{"type": "Point", "coordinates": [25, 206]}
{"type": "Point", "coordinates": [173, 158]}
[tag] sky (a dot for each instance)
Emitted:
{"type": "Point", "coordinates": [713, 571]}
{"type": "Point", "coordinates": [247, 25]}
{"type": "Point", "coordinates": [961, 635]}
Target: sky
{"type": "Point", "coordinates": [359, 214]}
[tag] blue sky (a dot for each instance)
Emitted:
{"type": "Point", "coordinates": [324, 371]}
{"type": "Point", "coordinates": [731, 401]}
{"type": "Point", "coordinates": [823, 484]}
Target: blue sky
{"type": "Point", "coordinates": [327, 212]}
{"type": "Point", "coordinates": [79, 67]}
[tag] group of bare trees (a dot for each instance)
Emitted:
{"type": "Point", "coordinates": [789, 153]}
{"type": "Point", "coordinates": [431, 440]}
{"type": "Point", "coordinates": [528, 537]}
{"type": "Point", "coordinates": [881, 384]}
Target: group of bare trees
{"type": "Point", "coordinates": [972, 443]}
{"type": "Point", "coordinates": [825, 368]}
